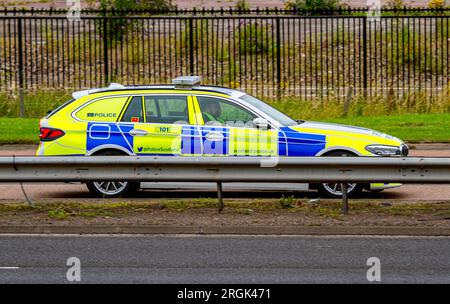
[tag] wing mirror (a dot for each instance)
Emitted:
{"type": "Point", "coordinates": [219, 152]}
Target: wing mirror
{"type": "Point", "coordinates": [261, 123]}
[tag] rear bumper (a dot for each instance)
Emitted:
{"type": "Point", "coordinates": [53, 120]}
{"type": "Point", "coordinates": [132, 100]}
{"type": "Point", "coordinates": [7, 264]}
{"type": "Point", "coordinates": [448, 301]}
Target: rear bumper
{"type": "Point", "coordinates": [40, 150]}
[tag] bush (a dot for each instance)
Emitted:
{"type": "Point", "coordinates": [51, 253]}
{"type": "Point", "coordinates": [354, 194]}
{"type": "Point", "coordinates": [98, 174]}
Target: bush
{"type": "Point", "coordinates": [203, 35]}
{"type": "Point", "coordinates": [313, 5]}
{"type": "Point", "coordinates": [118, 27]}
{"type": "Point", "coordinates": [436, 4]}
{"type": "Point", "coordinates": [242, 5]}
{"type": "Point", "coordinates": [134, 4]}
{"type": "Point", "coordinates": [395, 4]}
{"type": "Point", "coordinates": [287, 202]}
{"type": "Point", "coordinates": [255, 38]}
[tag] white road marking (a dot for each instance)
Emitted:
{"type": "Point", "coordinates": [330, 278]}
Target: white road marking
{"type": "Point", "coordinates": [8, 268]}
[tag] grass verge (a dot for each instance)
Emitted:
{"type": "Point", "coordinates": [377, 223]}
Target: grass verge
{"type": "Point", "coordinates": [413, 128]}
{"type": "Point", "coordinates": [257, 210]}
{"type": "Point", "coordinates": [19, 130]}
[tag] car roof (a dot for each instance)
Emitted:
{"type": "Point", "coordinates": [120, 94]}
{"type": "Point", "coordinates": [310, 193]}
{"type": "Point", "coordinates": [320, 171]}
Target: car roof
{"type": "Point", "coordinates": [117, 87]}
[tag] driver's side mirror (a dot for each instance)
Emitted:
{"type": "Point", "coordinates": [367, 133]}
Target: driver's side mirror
{"type": "Point", "coordinates": [261, 123]}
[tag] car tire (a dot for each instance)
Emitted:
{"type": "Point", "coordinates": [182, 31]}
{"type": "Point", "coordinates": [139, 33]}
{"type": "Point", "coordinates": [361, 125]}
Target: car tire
{"type": "Point", "coordinates": [376, 191]}
{"type": "Point", "coordinates": [111, 189]}
{"type": "Point", "coordinates": [333, 190]}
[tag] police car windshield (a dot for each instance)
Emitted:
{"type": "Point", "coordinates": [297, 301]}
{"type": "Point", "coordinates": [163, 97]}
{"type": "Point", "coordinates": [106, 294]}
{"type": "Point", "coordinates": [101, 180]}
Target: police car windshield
{"type": "Point", "coordinates": [283, 119]}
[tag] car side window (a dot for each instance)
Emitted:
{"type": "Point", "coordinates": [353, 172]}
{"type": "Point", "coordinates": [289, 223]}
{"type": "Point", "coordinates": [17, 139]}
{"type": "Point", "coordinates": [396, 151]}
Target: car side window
{"type": "Point", "coordinates": [104, 109]}
{"type": "Point", "coordinates": [166, 109]}
{"type": "Point", "coordinates": [219, 111]}
{"type": "Point", "coordinates": [133, 113]}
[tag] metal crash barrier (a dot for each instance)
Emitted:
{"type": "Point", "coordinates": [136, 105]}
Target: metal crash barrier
{"type": "Point", "coordinates": [227, 169]}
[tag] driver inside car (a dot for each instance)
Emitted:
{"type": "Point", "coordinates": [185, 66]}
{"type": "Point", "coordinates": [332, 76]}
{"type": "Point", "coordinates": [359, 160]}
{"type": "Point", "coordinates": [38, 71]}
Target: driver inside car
{"type": "Point", "coordinates": [211, 112]}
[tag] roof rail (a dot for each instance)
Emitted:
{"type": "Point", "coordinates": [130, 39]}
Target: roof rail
{"type": "Point", "coordinates": [183, 82]}
{"type": "Point", "coordinates": [111, 87]}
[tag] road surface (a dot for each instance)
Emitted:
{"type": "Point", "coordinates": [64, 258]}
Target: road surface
{"type": "Point", "coordinates": [223, 259]}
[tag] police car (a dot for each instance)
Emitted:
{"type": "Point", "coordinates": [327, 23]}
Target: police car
{"type": "Point", "coordinates": [189, 119]}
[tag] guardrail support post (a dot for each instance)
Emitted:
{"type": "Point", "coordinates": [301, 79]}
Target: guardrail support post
{"type": "Point", "coordinates": [219, 197]}
{"type": "Point", "coordinates": [344, 198]}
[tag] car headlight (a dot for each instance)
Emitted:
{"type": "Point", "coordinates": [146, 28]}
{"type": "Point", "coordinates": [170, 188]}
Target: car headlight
{"type": "Point", "coordinates": [383, 150]}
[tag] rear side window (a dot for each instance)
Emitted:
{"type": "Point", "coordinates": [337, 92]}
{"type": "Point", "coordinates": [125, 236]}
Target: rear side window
{"type": "Point", "coordinates": [53, 112]}
{"type": "Point", "coordinates": [166, 109]}
{"type": "Point", "coordinates": [133, 113]}
{"type": "Point", "coordinates": [105, 109]}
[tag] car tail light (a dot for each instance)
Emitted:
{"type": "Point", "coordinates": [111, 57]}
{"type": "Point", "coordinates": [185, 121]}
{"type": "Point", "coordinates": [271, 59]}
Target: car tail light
{"type": "Point", "coordinates": [49, 134]}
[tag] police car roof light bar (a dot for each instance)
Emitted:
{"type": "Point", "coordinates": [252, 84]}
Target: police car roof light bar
{"type": "Point", "coordinates": [184, 82]}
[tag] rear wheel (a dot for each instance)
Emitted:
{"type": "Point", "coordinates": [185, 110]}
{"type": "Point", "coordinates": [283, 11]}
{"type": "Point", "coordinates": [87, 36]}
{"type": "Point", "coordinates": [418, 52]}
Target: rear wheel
{"type": "Point", "coordinates": [110, 189]}
{"type": "Point", "coordinates": [334, 190]}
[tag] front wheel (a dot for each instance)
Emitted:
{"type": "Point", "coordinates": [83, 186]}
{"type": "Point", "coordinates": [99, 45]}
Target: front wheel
{"type": "Point", "coordinates": [110, 189]}
{"type": "Point", "coordinates": [334, 190]}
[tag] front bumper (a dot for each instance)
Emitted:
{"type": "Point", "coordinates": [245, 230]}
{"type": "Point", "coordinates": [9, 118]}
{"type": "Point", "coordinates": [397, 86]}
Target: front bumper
{"type": "Point", "coordinates": [382, 186]}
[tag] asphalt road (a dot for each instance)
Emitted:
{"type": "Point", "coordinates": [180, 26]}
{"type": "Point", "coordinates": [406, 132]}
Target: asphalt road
{"type": "Point", "coordinates": [223, 259]}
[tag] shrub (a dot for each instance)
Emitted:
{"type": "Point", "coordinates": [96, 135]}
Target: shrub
{"type": "Point", "coordinates": [58, 213]}
{"type": "Point", "coordinates": [134, 4]}
{"type": "Point", "coordinates": [436, 4]}
{"type": "Point", "coordinates": [203, 34]}
{"type": "Point", "coordinates": [287, 202]}
{"type": "Point", "coordinates": [118, 27]}
{"type": "Point", "coordinates": [242, 5]}
{"type": "Point", "coordinates": [313, 5]}
{"type": "Point", "coordinates": [255, 38]}
{"type": "Point", "coordinates": [395, 4]}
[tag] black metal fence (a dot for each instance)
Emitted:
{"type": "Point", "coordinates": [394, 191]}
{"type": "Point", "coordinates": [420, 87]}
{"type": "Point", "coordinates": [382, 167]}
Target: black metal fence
{"type": "Point", "coordinates": [265, 53]}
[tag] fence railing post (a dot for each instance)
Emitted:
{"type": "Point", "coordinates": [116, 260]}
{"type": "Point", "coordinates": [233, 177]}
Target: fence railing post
{"type": "Point", "coordinates": [278, 46]}
{"type": "Point", "coordinates": [105, 50]}
{"type": "Point", "coordinates": [191, 47]}
{"type": "Point", "coordinates": [21, 67]}
{"type": "Point", "coordinates": [365, 63]}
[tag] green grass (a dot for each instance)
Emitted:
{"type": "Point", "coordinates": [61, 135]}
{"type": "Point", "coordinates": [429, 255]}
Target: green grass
{"type": "Point", "coordinates": [409, 127]}
{"type": "Point", "coordinates": [396, 116]}
{"type": "Point", "coordinates": [58, 213]}
{"type": "Point", "coordinates": [19, 130]}
{"type": "Point", "coordinates": [36, 103]}
{"type": "Point", "coordinates": [412, 128]}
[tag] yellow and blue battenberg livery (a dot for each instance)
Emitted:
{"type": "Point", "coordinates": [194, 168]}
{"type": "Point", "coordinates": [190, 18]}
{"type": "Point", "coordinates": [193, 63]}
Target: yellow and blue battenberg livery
{"type": "Point", "coordinates": [195, 120]}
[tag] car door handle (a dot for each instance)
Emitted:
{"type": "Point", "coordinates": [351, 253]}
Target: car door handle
{"type": "Point", "coordinates": [214, 136]}
{"type": "Point", "coordinates": [137, 132]}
